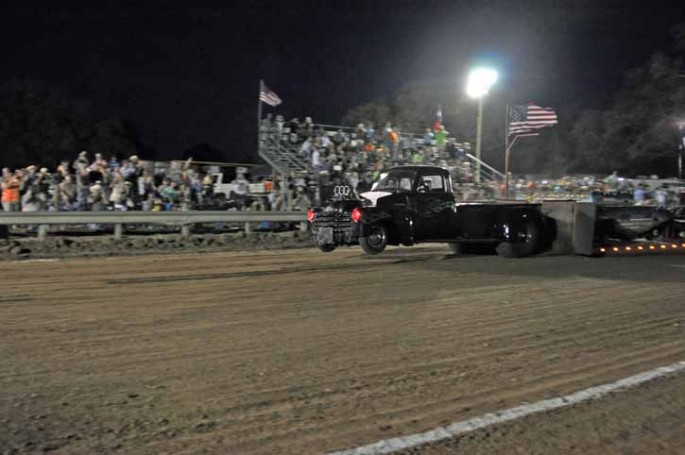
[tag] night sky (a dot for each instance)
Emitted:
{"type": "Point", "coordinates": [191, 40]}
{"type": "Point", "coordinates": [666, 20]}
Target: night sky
{"type": "Point", "coordinates": [189, 74]}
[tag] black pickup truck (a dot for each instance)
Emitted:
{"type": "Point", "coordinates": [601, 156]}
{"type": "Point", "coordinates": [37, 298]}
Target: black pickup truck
{"type": "Point", "coordinates": [415, 204]}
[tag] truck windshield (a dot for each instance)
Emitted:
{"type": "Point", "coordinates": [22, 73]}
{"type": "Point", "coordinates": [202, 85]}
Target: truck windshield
{"type": "Point", "coordinates": [396, 181]}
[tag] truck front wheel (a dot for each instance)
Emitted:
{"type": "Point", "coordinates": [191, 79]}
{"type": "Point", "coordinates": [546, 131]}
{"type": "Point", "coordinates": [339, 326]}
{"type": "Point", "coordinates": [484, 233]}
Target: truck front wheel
{"type": "Point", "coordinates": [376, 239]}
{"type": "Point", "coordinates": [455, 248]}
{"type": "Point", "coordinates": [530, 242]}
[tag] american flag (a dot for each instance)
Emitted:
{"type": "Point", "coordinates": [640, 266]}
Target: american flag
{"type": "Point", "coordinates": [525, 119]}
{"type": "Point", "coordinates": [269, 96]}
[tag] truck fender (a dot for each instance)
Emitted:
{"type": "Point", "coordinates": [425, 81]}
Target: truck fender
{"type": "Point", "coordinates": [511, 221]}
{"type": "Point", "coordinates": [372, 218]}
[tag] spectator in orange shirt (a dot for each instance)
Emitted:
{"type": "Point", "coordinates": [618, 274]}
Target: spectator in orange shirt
{"type": "Point", "coordinates": [10, 191]}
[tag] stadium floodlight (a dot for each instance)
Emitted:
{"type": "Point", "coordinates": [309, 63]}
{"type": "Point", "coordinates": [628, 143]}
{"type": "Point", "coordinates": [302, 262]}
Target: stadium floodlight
{"type": "Point", "coordinates": [480, 81]}
{"type": "Point", "coordinates": [478, 84]}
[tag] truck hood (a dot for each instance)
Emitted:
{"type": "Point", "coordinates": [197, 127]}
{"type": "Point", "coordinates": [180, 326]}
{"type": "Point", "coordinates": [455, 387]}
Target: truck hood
{"type": "Point", "coordinates": [374, 196]}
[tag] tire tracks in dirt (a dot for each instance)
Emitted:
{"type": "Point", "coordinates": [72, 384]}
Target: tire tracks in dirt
{"type": "Point", "coordinates": [336, 352]}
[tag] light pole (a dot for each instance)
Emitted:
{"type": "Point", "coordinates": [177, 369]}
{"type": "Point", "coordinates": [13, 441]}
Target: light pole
{"type": "Point", "coordinates": [681, 147]}
{"type": "Point", "coordinates": [478, 85]}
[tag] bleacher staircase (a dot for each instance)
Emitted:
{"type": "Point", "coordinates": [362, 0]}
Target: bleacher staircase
{"type": "Point", "coordinates": [282, 156]}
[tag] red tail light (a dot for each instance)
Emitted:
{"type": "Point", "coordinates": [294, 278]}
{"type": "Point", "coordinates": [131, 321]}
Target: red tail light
{"type": "Point", "coordinates": [356, 215]}
{"type": "Point", "coordinates": [310, 215]}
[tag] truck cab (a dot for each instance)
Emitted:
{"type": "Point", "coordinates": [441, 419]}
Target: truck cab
{"type": "Point", "coordinates": [419, 196]}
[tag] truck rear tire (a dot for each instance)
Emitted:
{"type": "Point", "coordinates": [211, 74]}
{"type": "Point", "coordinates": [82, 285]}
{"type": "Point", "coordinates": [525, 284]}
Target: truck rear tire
{"type": "Point", "coordinates": [376, 240]}
{"type": "Point", "coordinates": [530, 244]}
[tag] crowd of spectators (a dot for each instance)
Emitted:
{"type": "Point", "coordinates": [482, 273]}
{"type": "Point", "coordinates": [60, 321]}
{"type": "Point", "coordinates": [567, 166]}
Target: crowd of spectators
{"type": "Point", "coordinates": [95, 183]}
{"type": "Point", "coordinates": [610, 189]}
{"type": "Point", "coordinates": [329, 156]}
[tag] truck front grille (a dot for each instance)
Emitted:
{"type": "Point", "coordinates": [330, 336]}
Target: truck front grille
{"type": "Point", "coordinates": [340, 222]}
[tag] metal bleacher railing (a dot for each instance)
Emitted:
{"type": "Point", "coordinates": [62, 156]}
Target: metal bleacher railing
{"type": "Point", "coordinates": [282, 157]}
{"type": "Point", "coordinates": [487, 172]}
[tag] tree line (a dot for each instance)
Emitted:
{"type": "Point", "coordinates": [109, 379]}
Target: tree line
{"type": "Point", "coordinates": [43, 126]}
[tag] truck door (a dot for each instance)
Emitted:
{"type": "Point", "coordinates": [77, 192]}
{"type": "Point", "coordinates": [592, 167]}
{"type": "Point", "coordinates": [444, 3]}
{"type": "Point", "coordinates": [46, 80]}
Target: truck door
{"type": "Point", "coordinates": [434, 206]}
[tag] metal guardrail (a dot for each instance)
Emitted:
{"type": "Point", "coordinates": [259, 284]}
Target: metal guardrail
{"type": "Point", "coordinates": [119, 219]}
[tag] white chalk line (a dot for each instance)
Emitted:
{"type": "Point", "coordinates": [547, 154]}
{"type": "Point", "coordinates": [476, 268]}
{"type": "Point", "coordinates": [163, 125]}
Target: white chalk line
{"type": "Point", "coordinates": [458, 428]}
{"type": "Point", "coordinates": [26, 261]}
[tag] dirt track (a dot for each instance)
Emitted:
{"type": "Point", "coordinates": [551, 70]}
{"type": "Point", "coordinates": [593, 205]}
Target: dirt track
{"type": "Point", "coordinates": [302, 352]}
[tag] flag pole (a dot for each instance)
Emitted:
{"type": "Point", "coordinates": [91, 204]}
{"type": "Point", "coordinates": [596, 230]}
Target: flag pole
{"type": "Point", "coordinates": [259, 115]}
{"type": "Point", "coordinates": [506, 166]}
